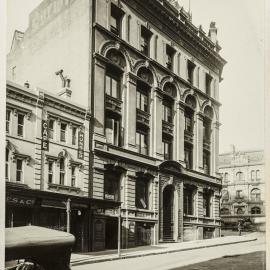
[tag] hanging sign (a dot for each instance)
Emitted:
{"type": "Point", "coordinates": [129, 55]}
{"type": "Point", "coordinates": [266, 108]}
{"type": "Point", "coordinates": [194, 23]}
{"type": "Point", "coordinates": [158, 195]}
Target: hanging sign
{"type": "Point", "coordinates": [80, 145]}
{"type": "Point", "coordinates": [45, 137]}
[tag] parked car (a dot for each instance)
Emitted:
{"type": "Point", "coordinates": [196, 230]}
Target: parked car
{"type": "Point", "coordinates": [37, 248]}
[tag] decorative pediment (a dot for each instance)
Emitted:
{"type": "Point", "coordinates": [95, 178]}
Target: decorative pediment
{"type": "Point", "coordinates": [171, 166]}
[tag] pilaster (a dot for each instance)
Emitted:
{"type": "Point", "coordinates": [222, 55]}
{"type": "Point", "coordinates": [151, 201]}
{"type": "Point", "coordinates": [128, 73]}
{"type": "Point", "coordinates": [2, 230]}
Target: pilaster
{"type": "Point", "coordinates": [180, 128]}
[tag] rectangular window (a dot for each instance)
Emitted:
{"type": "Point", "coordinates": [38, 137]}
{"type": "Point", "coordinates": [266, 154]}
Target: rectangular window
{"type": "Point", "coordinates": [7, 164]}
{"type": "Point", "coordinates": [51, 128]}
{"type": "Point", "coordinates": [239, 194]}
{"type": "Point", "coordinates": [50, 171]}
{"type": "Point", "coordinates": [142, 193]}
{"type": "Point", "coordinates": [207, 204]}
{"type": "Point", "coordinates": [188, 201]}
{"type": "Point", "coordinates": [252, 175]}
{"type": "Point", "coordinates": [189, 157]}
{"type": "Point", "coordinates": [8, 113]}
{"type": "Point", "coordinates": [206, 162]}
{"type": "Point", "coordinates": [112, 86]}
{"type": "Point", "coordinates": [62, 172]}
{"type": "Point", "coordinates": [63, 129]}
{"type": "Point", "coordinates": [115, 20]}
{"type": "Point", "coordinates": [113, 131]}
{"type": "Point", "coordinates": [145, 40]}
{"type": "Point", "coordinates": [20, 127]}
{"type": "Point", "coordinates": [190, 71]}
{"type": "Point", "coordinates": [208, 81]}
{"type": "Point", "coordinates": [167, 150]}
{"type": "Point", "coordinates": [112, 186]}
{"type": "Point", "coordinates": [142, 142]}
{"type": "Point", "coordinates": [258, 175]}
{"type": "Point", "coordinates": [73, 176]}
{"type": "Point", "coordinates": [142, 101]}
{"type": "Point", "coordinates": [74, 135]}
{"type": "Point", "coordinates": [206, 130]}
{"type": "Point", "coordinates": [189, 121]}
{"type": "Point", "coordinates": [19, 170]}
{"type": "Point", "coordinates": [169, 57]}
{"type": "Point", "coordinates": [167, 111]}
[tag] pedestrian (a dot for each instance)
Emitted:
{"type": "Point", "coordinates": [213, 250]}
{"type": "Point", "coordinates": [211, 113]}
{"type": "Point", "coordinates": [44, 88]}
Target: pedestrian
{"type": "Point", "coordinates": [239, 228]}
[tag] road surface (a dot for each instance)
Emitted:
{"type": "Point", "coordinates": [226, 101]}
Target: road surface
{"type": "Point", "coordinates": [178, 259]}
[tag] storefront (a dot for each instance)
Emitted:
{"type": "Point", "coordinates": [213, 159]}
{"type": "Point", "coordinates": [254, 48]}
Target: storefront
{"type": "Point", "coordinates": [25, 206]}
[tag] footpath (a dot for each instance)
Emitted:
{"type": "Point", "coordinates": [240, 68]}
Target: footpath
{"type": "Point", "coordinates": [161, 248]}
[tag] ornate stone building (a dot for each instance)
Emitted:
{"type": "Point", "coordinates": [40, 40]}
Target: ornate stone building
{"type": "Point", "coordinates": [151, 81]}
{"type": "Point", "coordinates": [243, 186]}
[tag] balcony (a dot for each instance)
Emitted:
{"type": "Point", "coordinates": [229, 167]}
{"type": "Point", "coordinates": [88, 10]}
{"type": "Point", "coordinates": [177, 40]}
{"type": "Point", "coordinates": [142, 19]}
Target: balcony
{"type": "Point", "coordinates": [167, 128]}
{"type": "Point", "coordinates": [113, 104]}
{"type": "Point", "coordinates": [188, 136]}
{"type": "Point", "coordinates": [206, 144]}
{"type": "Point", "coordinates": [143, 117]}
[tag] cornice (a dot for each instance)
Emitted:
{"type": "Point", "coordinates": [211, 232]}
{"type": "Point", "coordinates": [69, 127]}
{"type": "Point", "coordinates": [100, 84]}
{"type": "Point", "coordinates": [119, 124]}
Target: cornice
{"type": "Point", "coordinates": [183, 33]}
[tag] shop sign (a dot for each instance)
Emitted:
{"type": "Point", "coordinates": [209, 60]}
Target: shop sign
{"type": "Point", "coordinates": [80, 145]}
{"type": "Point", "coordinates": [45, 137]}
{"type": "Point", "coordinates": [20, 201]}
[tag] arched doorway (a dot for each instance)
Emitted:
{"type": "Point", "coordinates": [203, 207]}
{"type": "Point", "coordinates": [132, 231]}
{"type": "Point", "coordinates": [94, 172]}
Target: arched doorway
{"type": "Point", "coordinates": [168, 212]}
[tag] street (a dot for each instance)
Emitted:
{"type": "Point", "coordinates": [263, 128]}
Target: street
{"type": "Point", "coordinates": [179, 259]}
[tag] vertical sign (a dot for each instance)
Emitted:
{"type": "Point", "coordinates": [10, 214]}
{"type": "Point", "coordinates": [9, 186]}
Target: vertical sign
{"type": "Point", "coordinates": [45, 138]}
{"type": "Point", "coordinates": [80, 145]}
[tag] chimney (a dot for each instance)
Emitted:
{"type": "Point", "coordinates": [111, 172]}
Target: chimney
{"type": "Point", "coordinates": [65, 91]}
{"type": "Point", "coordinates": [26, 84]}
{"type": "Point", "coordinates": [213, 32]}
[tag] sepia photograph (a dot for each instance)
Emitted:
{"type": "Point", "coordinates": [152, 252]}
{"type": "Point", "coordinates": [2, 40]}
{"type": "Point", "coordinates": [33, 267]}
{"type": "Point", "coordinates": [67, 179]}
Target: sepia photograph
{"type": "Point", "coordinates": [133, 135]}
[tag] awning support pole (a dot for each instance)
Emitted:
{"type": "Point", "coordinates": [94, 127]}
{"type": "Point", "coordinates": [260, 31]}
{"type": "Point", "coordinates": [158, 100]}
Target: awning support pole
{"type": "Point", "coordinates": [68, 215]}
{"type": "Point", "coordinates": [119, 233]}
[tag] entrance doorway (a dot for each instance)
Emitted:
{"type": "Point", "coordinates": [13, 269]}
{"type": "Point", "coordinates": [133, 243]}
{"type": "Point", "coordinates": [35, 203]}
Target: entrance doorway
{"type": "Point", "coordinates": [111, 233]}
{"type": "Point", "coordinates": [168, 224]}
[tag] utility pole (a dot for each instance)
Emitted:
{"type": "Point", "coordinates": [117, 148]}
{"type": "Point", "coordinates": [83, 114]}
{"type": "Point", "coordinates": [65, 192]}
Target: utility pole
{"type": "Point", "coordinates": [68, 215]}
{"type": "Point", "coordinates": [119, 233]}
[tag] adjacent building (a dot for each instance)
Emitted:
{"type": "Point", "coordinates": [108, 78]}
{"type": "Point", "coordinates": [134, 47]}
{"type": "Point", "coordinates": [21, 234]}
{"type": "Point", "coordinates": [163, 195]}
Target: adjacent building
{"type": "Point", "coordinates": [243, 186]}
{"type": "Point", "coordinates": [150, 79]}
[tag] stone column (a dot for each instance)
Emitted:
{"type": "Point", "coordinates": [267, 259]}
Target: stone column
{"type": "Point", "coordinates": [198, 145]}
{"type": "Point", "coordinates": [214, 148]}
{"type": "Point", "coordinates": [130, 119]}
{"type": "Point", "coordinates": [180, 129]}
{"type": "Point", "coordinates": [99, 96]}
{"type": "Point", "coordinates": [157, 124]}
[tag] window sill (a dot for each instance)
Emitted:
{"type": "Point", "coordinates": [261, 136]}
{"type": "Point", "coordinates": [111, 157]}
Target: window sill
{"type": "Point", "coordinates": [63, 187]}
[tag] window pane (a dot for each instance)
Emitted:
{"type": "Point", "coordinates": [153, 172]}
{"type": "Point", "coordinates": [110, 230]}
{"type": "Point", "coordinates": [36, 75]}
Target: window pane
{"type": "Point", "coordinates": [20, 119]}
{"type": "Point", "coordinates": [114, 88]}
{"type": "Point", "coordinates": [108, 85]}
{"type": "Point", "coordinates": [74, 136]}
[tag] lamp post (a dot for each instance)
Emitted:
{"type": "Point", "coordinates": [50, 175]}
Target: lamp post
{"type": "Point", "coordinates": [119, 233]}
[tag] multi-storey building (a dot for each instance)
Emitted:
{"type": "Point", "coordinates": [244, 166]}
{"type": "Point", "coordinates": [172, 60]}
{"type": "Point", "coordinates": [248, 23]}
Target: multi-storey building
{"type": "Point", "coordinates": [243, 186]}
{"type": "Point", "coordinates": [151, 81]}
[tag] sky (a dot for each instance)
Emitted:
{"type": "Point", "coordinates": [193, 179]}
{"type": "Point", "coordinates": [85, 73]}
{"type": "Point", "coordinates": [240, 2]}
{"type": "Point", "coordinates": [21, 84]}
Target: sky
{"type": "Point", "coordinates": [240, 33]}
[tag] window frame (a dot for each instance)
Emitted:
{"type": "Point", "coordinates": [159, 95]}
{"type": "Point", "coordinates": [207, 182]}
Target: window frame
{"type": "Point", "coordinates": [168, 143]}
{"type": "Point", "coordinates": [167, 111]}
{"type": "Point", "coordinates": [144, 183]}
{"type": "Point", "coordinates": [117, 15]}
{"type": "Point", "coordinates": [51, 171]}
{"type": "Point", "coordinates": [73, 176]}
{"type": "Point", "coordinates": [8, 121]}
{"type": "Point", "coordinates": [188, 151]}
{"type": "Point", "coordinates": [145, 40]}
{"type": "Point", "coordinates": [63, 132]}
{"type": "Point", "coordinates": [20, 171]}
{"type": "Point", "coordinates": [140, 133]}
{"type": "Point", "coordinates": [117, 78]}
{"type": "Point", "coordinates": [51, 130]}
{"type": "Point", "coordinates": [208, 84]}
{"type": "Point", "coordinates": [62, 172]}
{"type": "Point", "coordinates": [20, 126]}
{"type": "Point", "coordinates": [112, 181]}
{"type": "Point", "coordinates": [190, 72]}
{"type": "Point", "coordinates": [140, 94]}
{"type": "Point", "coordinates": [170, 53]}
{"type": "Point", "coordinates": [116, 130]}
{"type": "Point", "coordinates": [74, 136]}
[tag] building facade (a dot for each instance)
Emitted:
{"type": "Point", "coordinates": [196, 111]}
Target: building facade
{"type": "Point", "coordinates": [243, 186]}
{"type": "Point", "coordinates": [151, 81]}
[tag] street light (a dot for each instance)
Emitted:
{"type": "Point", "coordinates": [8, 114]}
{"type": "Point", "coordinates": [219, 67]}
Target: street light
{"type": "Point", "coordinates": [119, 233]}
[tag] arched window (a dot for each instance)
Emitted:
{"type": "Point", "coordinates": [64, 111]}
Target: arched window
{"type": "Point", "coordinates": [225, 195]}
{"type": "Point", "coordinates": [239, 176]}
{"type": "Point", "coordinates": [7, 164]}
{"type": "Point", "coordinates": [255, 194]}
{"type": "Point", "coordinates": [62, 171]}
{"type": "Point", "coordinates": [240, 210]}
{"type": "Point", "coordinates": [255, 210]}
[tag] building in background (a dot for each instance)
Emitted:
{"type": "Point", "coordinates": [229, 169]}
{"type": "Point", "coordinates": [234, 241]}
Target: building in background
{"type": "Point", "coordinates": [151, 81]}
{"type": "Point", "coordinates": [243, 187]}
